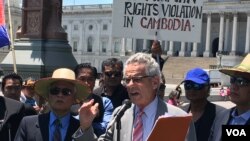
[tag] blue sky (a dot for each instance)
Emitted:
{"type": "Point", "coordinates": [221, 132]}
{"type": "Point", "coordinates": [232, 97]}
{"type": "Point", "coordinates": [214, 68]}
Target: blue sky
{"type": "Point", "coordinates": [86, 2]}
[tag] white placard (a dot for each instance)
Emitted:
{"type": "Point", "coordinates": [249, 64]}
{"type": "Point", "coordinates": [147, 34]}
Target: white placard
{"type": "Point", "coordinates": [171, 20]}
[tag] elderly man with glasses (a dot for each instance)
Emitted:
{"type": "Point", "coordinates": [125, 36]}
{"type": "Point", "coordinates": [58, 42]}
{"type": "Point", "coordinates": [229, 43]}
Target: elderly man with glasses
{"type": "Point", "coordinates": [197, 90]}
{"type": "Point", "coordinates": [142, 79]}
{"type": "Point", "coordinates": [61, 91]}
{"type": "Point", "coordinates": [240, 95]}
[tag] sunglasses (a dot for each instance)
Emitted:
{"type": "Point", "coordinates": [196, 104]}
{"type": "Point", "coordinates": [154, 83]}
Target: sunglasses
{"type": "Point", "coordinates": [64, 91]}
{"type": "Point", "coordinates": [13, 87]}
{"type": "Point", "coordinates": [239, 81]}
{"type": "Point", "coordinates": [135, 79]}
{"type": "Point", "coordinates": [86, 79]}
{"type": "Point", "coordinates": [193, 86]}
{"type": "Point", "coordinates": [115, 74]}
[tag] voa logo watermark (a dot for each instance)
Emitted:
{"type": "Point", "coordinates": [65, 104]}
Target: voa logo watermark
{"type": "Point", "coordinates": [235, 132]}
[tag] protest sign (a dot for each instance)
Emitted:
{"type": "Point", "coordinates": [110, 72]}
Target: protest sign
{"type": "Point", "coordinates": [172, 20]}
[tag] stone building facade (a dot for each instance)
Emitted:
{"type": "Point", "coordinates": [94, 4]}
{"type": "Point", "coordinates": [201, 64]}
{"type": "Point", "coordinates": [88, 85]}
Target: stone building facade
{"type": "Point", "coordinates": [225, 30]}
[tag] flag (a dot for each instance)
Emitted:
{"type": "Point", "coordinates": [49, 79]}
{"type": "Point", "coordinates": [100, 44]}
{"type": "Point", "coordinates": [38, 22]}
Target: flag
{"type": "Point", "coordinates": [4, 38]}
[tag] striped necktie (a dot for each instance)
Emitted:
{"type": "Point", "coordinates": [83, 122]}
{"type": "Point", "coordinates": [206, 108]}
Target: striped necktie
{"type": "Point", "coordinates": [57, 132]}
{"type": "Point", "coordinates": [138, 128]}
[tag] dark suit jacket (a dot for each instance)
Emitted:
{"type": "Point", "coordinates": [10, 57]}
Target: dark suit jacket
{"type": "Point", "coordinates": [36, 128]}
{"type": "Point", "coordinates": [13, 114]}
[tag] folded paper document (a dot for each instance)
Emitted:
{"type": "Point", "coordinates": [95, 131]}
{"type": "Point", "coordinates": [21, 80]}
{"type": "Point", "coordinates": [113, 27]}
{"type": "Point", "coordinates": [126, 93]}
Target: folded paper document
{"type": "Point", "coordinates": [170, 128]}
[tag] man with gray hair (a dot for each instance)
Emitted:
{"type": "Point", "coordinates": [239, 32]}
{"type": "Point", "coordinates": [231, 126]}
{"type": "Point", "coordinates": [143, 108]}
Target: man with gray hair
{"type": "Point", "coordinates": [142, 79]}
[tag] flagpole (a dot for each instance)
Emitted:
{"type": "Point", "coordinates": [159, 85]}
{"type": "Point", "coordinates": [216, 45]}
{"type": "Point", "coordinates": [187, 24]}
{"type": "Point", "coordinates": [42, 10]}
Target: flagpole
{"type": "Point", "coordinates": [11, 38]}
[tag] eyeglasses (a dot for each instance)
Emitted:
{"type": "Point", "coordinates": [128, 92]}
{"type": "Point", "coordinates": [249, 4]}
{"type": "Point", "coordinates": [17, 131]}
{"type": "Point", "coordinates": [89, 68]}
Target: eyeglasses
{"type": "Point", "coordinates": [135, 79]}
{"type": "Point", "coordinates": [239, 81]}
{"type": "Point", "coordinates": [15, 87]}
{"type": "Point", "coordinates": [115, 74]}
{"type": "Point", "coordinates": [193, 86]}
{"type": "Point", "coordinates": [86, 79]}
{"type": "Point", "coordinates": [64, 91]}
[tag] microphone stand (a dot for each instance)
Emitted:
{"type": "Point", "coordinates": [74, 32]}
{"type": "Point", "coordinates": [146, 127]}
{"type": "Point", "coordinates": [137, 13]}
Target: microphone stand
{"type": "Point", "coordinates": [118, 128]}
{"type": "Point", "coordinates": [118, 125]}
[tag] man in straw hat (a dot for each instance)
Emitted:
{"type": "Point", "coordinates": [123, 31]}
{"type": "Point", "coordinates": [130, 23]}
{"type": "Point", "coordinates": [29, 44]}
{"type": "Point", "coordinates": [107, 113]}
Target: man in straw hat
{"type": "Point", "coordinates": [240, 95]}
{"type": "Point", "coordinates": [61, 91]}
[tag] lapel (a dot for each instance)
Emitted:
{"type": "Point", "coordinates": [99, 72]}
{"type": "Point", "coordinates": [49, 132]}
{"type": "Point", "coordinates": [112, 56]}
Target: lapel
{"type": "Point", "coordinates": [126, 125]}
{"type": "Point", "coordinates": [12, 108]}
{"type": "Point", "coordinates": [43, 124]}
{"type": "Point", "coordinates": [73, 126]}
{"type": "Point", "coordinates": [222, 120]}
{"type": "Point", "coordinates": [161, 109]}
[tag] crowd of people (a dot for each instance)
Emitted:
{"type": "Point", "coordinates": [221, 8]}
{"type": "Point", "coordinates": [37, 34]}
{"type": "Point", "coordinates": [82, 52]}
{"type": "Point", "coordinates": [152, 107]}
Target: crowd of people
{"type": "Point", "coordinates": [67, 106]}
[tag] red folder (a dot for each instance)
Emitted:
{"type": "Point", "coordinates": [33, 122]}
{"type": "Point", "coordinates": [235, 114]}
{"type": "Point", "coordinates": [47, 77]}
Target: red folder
{"type": "Point", "coordinates": [172, 128]}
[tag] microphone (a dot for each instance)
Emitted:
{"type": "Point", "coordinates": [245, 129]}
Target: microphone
{"type": "Point", "coordinates": [119, 114]}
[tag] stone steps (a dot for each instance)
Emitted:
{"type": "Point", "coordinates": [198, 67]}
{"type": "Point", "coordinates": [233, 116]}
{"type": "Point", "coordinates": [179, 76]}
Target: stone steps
{"type": "Point", "coordinates": [175, 68]}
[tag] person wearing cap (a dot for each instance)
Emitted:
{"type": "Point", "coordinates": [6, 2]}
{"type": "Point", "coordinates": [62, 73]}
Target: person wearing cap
{"type": "Point", "coordinates": [28, 94]}
{"type": "Point", "coordinates": [61, 91]}
{"type": "Point", "coordinates": [197, 90]}
{"type": "Point", "coordinates": [239, 95]}
{"type": "Point", "coordinates": [142, 79]}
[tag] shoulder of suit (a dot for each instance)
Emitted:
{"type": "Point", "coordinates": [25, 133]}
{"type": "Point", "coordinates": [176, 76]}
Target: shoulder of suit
{"type": "Point", "coordinates": [173, 110]}
{"type": "Point", "coordinates": [219, 108]}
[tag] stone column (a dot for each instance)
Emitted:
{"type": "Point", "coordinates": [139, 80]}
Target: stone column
{"type": "Point", "coordinates": [123, 50]}
{"type": "Point", "coordinates": [70, 32]}
{"type": "Point", "coordinates": [163, 46]}
{"type": "Point", "coordinates": [109, 48]}
{"type": "Point", "coordinates": [171, 48]}
{"type": "Point", "coordinates": [134, 45]}
{"type": "Point", "coordinates": [226, 46]}
{"type": "Point", "coordinates": [194, 53]}
{"type": "Point", "coordinates": [207, 50]}
{"type": "Point", "coordinates": [182, 51]}
{"type": "Point", "coordinates": [166, 46]}
{"type": "Point", "coordinates": [247, 47]}
{"type": "Point", "coordinates": [98, 42]}
{"type": "Point", "coordinates": [234, 36]}
{"type": "Point", "coordinates": [144, 44]}
{"type": "Point", "coordinates": [189, 49]}
{"type": "Point", "coordinates": [221, 35]}
{"type": "Point", "coordinates": [80, 46]}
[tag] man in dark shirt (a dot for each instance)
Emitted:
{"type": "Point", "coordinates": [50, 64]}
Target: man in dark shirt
{"type": "Point", "coordinates": [112, 88]}
{"type": "Point", "coordinates": [11, 88]}
{"type": "Point", "coordinates": [197, 90]}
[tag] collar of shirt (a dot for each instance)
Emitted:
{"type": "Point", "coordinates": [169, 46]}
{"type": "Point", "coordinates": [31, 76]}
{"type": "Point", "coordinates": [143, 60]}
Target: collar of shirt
{"type": "Point", "coordinates": [240, 119]}
{"type": "Point", "coordinates": [148, 110]}
{"type": "Point", "coordinates": [148, 117]}
{"type": "Point", "coordinates": [64, 120]}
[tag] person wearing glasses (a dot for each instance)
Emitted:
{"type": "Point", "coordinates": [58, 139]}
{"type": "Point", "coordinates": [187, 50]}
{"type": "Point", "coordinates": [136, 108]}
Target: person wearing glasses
{"type": "Point", "coordinates": [197, 90]}
{"type": "Point", "coordinates": [61, 91]}
{"type": "Point", "coordinates": [239, 95]}
{"type": "Point", "coordinates": [11, 109]}
{"type": "Point", "coordinates": [142, 78]}
{"type": "Point", "coordinates": [112, 87]}
{"type": "Point", "coordinates": [88, 74]}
